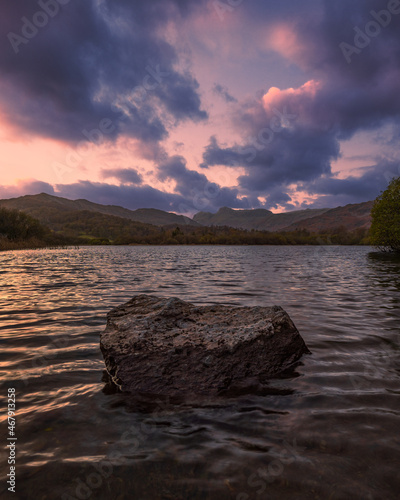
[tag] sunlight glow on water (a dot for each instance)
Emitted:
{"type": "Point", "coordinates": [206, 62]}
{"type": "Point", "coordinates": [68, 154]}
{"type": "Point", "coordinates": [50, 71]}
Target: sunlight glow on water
{"type": "Point", "coordinates": [327, 429]}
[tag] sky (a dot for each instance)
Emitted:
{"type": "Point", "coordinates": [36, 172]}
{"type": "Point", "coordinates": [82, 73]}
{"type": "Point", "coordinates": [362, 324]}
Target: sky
{"type": "Point", "coordinates": [192, 105]}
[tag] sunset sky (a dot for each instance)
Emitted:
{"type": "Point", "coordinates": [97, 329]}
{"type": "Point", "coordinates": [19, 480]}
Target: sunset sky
{"type": "Point", "coordinates": [190, 105]}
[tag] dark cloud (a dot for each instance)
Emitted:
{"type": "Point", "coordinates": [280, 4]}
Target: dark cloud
{"type": "Point", "coordinates": [199, 193]}
{"type": "Point", "coordinates": [372, 181]}
{"type": "Point", "coordinates": [94, 61]}
{"type": "Point", "coordinates": [224, 93]}
{"type": "Point", "coordinates": [22, 188]}
{"type": "Point", "coordinates": [214, 154]}
{"type": "Point", "coordinates": [341, 100]}
{"type": "Point", "coordinates": [174, 168]}
{"type": "Point", "coordinates": [181, 98]}
{"type": "Point", "coordinates": [104, 69]}
{"type": "Point", "coordinates": [203, 196]}
{"type": "Point", "coordinates": [125, 175]}
{"type": "Point", "coordinates": [291, 156]}
{"type": "Point", "coordinates": [133, 197]}
{"type": "Point", "coordinates": [277, 197]}
{"type": "Point", "coordinates": [128, 196]}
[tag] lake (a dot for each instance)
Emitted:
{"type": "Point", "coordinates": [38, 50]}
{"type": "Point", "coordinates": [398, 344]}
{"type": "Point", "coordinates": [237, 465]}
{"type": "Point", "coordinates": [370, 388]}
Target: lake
{"type": "Point", "coordinates": [326, 429]}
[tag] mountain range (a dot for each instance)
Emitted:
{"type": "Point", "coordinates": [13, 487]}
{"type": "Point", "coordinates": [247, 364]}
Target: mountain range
{"type": "Point", "coordinates": [351, 217]}
{"type": "Point", "coordinates": [47, 208]}
{"type": "Point", "coordinates": [56, 212]}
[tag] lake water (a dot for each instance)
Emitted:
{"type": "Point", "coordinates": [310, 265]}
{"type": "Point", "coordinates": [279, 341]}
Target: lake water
{"type": "Point", "coordinates": [327, 429]}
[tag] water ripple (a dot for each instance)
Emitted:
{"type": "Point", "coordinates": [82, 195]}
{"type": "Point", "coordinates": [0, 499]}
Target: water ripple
{"type": "Point", "coordinates": [327, 429]}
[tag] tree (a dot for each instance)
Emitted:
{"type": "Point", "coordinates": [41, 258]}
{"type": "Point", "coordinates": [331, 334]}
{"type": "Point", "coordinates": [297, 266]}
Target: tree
{"type": "Point", "coordinates": [16, 225]}
{"type": "Point", "coordinates": [385, 228]}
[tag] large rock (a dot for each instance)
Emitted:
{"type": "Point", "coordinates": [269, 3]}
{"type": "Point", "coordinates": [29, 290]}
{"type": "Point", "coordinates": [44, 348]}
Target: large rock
{"type": "Point", "coordinates": [168, 347]}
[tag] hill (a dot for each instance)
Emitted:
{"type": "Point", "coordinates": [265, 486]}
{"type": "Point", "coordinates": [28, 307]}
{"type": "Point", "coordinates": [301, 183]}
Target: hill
{"type": "Point", "coordinates": [84, 226]}
{"type": "Point", "coordinates": [19, 230]}
{"type": "Point", "coordinates": [260, 219]}
{"type": "Point", "coordinates": [45, 207]}
{"type": "Point", "coordinates": [241, 219]}
{"type": "Point", "coordinates": [88, 221]}
{"type": "Point", "coordinates": [351, 217]}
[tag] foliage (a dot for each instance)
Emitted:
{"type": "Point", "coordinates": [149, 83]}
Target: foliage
{"type": "Point", "coordinates": [385, 228]}
{"type": "Point", "coordinates": [16, 225]}
{"type": "Point", "coordinates": [93, 228]}
{"type": "Point", "coordinates": [19, 230]}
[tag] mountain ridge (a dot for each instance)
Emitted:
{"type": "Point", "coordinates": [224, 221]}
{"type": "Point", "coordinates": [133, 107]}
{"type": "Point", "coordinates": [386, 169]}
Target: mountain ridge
{"type": "Point", "coordinates": [49, 208]}
{"type": "Point", "coordinates": [351, 217]}
{"type": "Point", "coordinates": [37, 205]}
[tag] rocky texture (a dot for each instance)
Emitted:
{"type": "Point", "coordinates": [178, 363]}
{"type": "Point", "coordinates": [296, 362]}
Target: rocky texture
{"type": "Point", "coordinates": [168, 347]}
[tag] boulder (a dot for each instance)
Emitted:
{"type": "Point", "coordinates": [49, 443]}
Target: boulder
{"type": "Point", "coordinates": [165, 346]}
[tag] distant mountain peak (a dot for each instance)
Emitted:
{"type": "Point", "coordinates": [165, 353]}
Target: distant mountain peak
{"type": "Point", "coordinates": [351, 217]}
{"type": "Point", "coordinates": [44, 206]}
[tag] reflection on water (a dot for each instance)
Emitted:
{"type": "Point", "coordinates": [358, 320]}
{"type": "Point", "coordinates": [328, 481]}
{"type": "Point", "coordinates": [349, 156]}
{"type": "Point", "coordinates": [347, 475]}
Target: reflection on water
{"type": "Point", "coordinates": [327, 429]}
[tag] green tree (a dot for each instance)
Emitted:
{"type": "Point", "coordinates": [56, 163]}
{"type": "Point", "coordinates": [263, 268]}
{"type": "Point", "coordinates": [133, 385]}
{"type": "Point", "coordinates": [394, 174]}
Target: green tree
{"type": "Point", "coordinates": [385, 228]}
{"type": "Point", "coordinates": [16, 225]}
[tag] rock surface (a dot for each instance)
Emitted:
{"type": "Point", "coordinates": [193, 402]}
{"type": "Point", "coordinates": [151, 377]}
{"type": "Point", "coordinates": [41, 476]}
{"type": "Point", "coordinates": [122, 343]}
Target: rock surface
{"type": "Point", "coordinates": [164, 346]}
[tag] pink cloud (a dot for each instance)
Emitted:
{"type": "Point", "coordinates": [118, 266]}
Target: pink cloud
{"type": "Point", "coordinates": [282, 38]}
{"type": "Point", "coordinates": [275, 97]}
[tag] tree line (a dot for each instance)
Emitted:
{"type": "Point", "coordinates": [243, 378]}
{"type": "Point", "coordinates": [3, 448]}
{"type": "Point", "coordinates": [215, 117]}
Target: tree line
{"type": "Point", "coordinates": [385, 228]}
{"type": "Point", "coordinates": [19, 230]}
